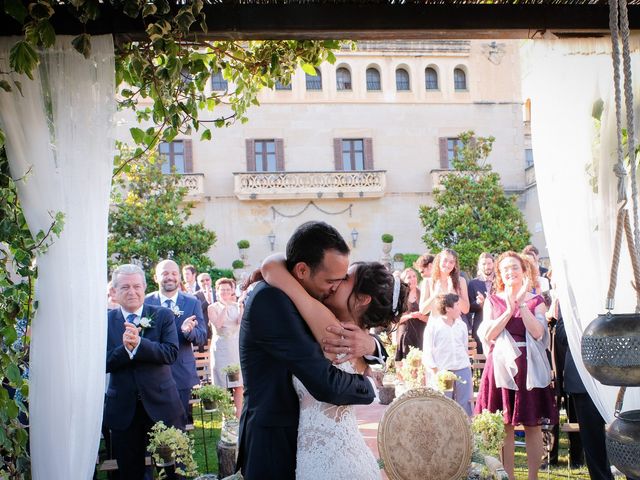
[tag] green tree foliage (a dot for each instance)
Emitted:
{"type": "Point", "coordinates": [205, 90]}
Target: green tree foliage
{"type": "Point", "coordinates": [148, 221]}
{"type": "Point", "coordinates": [472, 214]}
{"type": "Point", "coordinates": [18, 273]}
{"type": "Point", "coordinates": [163, 73]}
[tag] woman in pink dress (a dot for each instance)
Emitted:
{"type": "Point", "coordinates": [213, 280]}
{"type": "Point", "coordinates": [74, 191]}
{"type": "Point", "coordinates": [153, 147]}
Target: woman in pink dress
{"type": "Point", "coordinates": [517, 375]}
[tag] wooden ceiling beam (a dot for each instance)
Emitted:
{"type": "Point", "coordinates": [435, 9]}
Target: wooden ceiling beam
{"type": "Point", "coordinates": [363, 21]}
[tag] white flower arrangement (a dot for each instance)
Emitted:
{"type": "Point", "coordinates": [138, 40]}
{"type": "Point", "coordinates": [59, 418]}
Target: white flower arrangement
{"type": "Point", "coordinates": [145, 322]}
{"type": "Point", "coordinates": [176, 310]}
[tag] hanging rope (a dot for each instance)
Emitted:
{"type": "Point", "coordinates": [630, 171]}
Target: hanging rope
{"type": "Point", "coordinates": [618, 12]}
{"type": "Point", "coordinates": [631, 131]}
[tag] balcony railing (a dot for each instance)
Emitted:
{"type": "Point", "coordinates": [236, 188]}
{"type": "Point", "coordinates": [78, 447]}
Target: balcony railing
{"type": "Point", "coordinates": [438, 175]}
{"type": "Point", "coordinates": [285, 185]}
{"type": "Point", "coordinates": [195, 185]}
{"type": "Point", "coordinates": [530, 176]}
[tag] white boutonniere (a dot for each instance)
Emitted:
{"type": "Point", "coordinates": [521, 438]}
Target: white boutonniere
{"type": "Point", "coordinates": [176, 310]}
{"type": "Point", "coordinates": [145, 322]}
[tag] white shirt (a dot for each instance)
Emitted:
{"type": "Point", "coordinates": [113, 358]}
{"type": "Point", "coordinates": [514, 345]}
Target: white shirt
{"type": "Point", "coordinates": [163, 299]}
{"type": "Point", "coordinates": [446, 347]}
{"type": "Point", "coordinates": [138, 314]}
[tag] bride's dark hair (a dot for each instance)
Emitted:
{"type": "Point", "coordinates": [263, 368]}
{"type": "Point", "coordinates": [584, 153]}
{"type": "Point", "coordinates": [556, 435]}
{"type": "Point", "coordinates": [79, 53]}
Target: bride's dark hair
{"type": "Point", "coordinates": [373, 279]}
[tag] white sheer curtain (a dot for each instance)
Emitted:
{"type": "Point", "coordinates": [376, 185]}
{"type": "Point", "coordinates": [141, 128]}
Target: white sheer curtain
{"type": "Point", "coordinates": [574, 157]}
{"type": "Point", "coordinates": [60, 141]}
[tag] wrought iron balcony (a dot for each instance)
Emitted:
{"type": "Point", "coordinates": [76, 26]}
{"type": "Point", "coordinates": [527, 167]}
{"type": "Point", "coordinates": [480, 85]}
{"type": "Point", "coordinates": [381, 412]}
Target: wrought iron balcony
{"type": "Point", "coordinates": [195, 185]}
{"type": "Point", "coordinates": [332, 184]}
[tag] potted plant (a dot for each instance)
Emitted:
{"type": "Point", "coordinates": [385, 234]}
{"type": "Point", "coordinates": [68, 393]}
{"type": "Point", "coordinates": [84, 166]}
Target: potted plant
{"type": "Point", "coordinates": [387, 240]}
{"type": "Point", "coordinates": [169, 446]}
{"type": "Point", "coordinates": [232, 371]}
{"type": "Point", "coordinates": [243, 248]}
{"type": "Point", "coordinates": [446, 380]}
{"type": "Point", "coordinates": [211, 396]}
{"type": "Point", "coordinates": [237, 266]}
{"type": "Point", "coordinates": [412, 370]}
{"type": "Point", "coordinates": [398, 261]}
{"type": "Point", "coordinates": [488, 437]}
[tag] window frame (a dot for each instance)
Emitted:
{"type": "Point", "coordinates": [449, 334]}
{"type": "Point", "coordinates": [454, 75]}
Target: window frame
{"type": "Point", "coordinates": [346, 86]}
{"type": "Point", "coordinates": [401, 70]}
{"type": "Point", "coordinates": [168, 165]}
{"type": "Point", "coordinates": [218, 81]}
{"type": "Point", "coordinates": [426, 80]}
{"type": "Point", "coordinates": [317, 79]}
{"type": "Point", "coordinates": [456, 80]}
{"type": "Point", "coordinates": [371, 85]}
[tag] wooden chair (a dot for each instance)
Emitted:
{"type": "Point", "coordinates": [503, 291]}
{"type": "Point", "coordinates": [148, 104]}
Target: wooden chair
{"type": "Point", "coordinates": [203, 367]}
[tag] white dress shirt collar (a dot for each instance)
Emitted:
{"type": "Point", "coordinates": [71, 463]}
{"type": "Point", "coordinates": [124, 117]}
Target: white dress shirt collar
{"type": "Point", "coordinates": [138, 312]}
{"type": "Point", "coordinates": [163, 299]}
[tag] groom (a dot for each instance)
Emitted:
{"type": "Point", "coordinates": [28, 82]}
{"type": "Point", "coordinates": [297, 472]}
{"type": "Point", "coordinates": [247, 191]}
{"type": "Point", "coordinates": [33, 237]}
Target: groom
{"type": "Point", "coordinates": [275, 343]}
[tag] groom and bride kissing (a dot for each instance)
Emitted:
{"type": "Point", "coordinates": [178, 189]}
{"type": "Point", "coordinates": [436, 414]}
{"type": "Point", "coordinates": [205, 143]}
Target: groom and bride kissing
{"type": "Point", "coordinates": [304, 352]}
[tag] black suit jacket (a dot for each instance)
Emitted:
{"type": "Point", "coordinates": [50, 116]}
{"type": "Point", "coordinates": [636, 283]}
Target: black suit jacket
{"type": "Point", "coordinates": [275, 343]}
{"type": "Point", "coordinates": [147, 375]}
{"type": "Point", "coordinates": [184, 368]}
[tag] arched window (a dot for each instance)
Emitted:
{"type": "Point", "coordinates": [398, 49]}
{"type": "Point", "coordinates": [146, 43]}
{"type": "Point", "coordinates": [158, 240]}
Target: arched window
{"type": "Point", "coordinates": [343, 79]}
{"type": "Point", "coordinates": [314, 82]}
{"type": "Point", "coordinates": [402, 80]}
{"type": "Point", "coordinates": [373, 79]}
{"type": "Point", "coordinates": [459, 79]}
{"type": "Point", "coordinates": [431, 78]}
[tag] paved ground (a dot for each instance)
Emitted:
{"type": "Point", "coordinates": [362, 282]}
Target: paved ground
{"type": "Point", "coordinates": [368, 418]}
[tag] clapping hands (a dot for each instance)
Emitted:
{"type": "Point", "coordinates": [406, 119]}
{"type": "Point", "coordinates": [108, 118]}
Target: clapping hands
{"type": "Point", "coordinates": [131, 336]}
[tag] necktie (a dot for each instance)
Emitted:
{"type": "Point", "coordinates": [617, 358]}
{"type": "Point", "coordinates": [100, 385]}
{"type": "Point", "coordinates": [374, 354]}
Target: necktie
{"type": "Point", "coordinates": [168, 303]}
{"type": "Point", "coordinates": [131, 318]}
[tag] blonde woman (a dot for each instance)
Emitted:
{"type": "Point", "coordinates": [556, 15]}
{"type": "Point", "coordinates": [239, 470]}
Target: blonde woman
{"type": "Point", "coordinates": [445, 278]}
{"type": "Point", "coordinates": [225, 315]}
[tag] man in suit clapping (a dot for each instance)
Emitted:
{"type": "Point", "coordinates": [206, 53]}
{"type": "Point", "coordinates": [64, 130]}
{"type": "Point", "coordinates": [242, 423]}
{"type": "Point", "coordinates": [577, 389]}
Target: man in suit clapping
{"type": "Point", "coordinates": [142, 344]}
{"type": "Point", "coordinates": [189, 325]}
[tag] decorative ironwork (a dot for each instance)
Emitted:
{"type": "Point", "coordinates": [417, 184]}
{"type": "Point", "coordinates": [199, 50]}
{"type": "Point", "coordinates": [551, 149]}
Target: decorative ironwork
{"type": "Point", "coordinates": [275, 211]}
{"type": "Point", "coordinates": [286, 185]}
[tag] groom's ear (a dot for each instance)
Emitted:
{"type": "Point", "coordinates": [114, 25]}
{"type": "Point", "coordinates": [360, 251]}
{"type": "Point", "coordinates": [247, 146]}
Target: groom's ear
{"type": "Point", "coordinates": [300, 270]}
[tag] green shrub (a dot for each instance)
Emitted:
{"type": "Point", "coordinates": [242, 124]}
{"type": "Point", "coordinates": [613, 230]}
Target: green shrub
{"type": "Point", "coordinates": [237, 264]}
{"type": "Point", "coordinates": [387, 238]}
{"type": "Point", "coordinates": [243, 244]}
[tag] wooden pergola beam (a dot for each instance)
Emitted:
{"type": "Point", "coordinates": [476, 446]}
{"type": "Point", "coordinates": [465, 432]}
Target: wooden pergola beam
{"type": "Point", "coordinates": [360, 21]}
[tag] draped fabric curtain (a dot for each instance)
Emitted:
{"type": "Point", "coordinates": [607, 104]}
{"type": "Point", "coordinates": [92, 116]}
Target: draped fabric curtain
{"type": "Point", "coordinates": [573, 129]}
{"type": "Point", "coordinates": [60, 144]}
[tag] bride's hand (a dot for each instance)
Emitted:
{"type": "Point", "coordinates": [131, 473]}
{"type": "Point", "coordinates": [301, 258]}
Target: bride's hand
{"type": "Point", "coordinates": [351, 341]}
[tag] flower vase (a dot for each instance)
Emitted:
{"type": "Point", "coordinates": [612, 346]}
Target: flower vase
{"type": "Point", "coordinates": [166, 455]}
{"type": "Point", "coordinates": [233, 377]}
{"type": "Point", "coordinates": [209, 405]}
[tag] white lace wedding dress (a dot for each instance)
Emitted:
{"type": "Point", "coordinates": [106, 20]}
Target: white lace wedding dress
{"type": "Point", "coordinates": [329, 443]}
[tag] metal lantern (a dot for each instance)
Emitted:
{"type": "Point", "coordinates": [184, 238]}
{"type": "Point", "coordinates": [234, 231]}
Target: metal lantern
{"type": "Point", "coordinates": [611, 349]}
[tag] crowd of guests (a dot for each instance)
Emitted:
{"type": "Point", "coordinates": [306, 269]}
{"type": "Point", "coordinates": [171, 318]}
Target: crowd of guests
{"type": "Point", "coordinates": [151, 366]}
{"type": "Point", "coordinates": [511, 313]}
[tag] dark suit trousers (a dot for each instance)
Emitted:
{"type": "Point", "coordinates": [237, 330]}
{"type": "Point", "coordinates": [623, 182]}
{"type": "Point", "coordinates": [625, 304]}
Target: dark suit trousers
{"type": "Point", "coordinates": [130, 445]}
{"type": "Point", "coordinates": [185, 396]}
{"type": "Point", "coordinates": [593, 436]}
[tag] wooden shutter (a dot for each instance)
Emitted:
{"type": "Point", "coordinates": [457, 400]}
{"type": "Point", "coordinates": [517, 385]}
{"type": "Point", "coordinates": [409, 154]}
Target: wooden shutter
{"type": "Point", "coordinates": [337, 154]}
{"type": "Point", "coordinates": [251, 155]}
{"type": "Point", "coordinates": [444, 157]}
{"type": "Point", "coordinates": [279, 154]}
{"type": "Point", "coordinates": [368, 153]}
{"type": "Point", "coordinates": [188, 156]}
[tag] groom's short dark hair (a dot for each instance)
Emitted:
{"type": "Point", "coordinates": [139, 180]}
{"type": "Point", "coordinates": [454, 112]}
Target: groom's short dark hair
{"type": "Point", "coordinates": [309, 242]}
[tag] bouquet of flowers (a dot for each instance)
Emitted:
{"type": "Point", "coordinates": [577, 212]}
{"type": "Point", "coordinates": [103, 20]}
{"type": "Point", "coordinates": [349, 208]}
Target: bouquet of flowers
{"type": "Point", "coordinates": [412, 370]}
{"type": "Point", "coordinates": [446, 380]}
{"type": "Point", "coordinates": [488, 432]}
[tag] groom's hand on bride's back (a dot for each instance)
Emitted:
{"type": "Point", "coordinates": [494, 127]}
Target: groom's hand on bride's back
{"type": "Point", "coordinates": [350, 340]}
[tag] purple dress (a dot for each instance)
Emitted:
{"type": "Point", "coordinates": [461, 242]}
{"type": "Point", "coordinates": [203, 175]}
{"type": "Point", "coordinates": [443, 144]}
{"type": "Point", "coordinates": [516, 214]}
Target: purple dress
{"type": "Point", "coordinates": [520, 407]}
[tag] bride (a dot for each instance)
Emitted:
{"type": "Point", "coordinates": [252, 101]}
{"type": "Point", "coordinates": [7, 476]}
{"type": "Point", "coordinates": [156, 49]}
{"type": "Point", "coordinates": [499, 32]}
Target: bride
{"type": "Point", "coordinates": [329, 444]}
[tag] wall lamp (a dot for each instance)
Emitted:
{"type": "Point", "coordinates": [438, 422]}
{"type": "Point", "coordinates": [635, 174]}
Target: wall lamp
{"type": "Point", "coordinates": [272, 240]}
{"type": "Point", "coordinates": [354, 237]}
